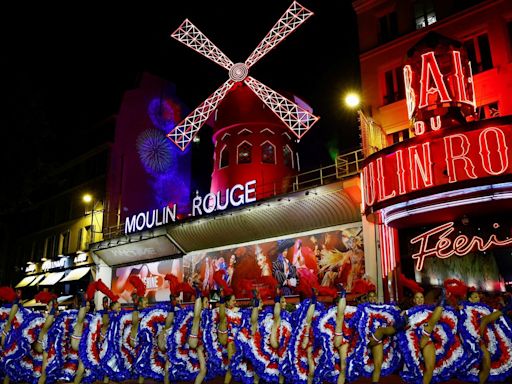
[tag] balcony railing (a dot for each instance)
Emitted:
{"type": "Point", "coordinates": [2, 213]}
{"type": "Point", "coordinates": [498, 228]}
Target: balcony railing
{"type": "Point", "coordinates": [346, 165]}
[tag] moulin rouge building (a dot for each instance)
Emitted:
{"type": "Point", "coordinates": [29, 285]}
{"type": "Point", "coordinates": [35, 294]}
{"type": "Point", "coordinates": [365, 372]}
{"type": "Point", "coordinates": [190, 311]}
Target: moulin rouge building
{"type": "Point", "coordinates": [436, 129]}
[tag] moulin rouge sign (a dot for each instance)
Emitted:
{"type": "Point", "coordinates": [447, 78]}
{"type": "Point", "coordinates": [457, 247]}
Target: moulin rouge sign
{"type": "Point", "coordinates": [235, 196]}
{"type": "Point", "coordinates": [440, 97]}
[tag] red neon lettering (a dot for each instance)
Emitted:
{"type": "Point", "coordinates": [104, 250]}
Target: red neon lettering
{"type": "Point", "coordinates": [409, 91]}
{"type": "Point", "coordinates": [400, 172]}
{"type": "Point", "coordinates": [419, 128]}
{"type": "Point", "coordinates": [435, 123]}
{"type": "Point", "coordinates": [429, 68]}
{"type": "Point", "coordinates": [369, 184]}
{"type": "Point", "coordinates": [451, 157]}
{"type": "Point", "coordinates": [423, 164]}
{"type": "Point", "coordinates": [500, 148]}
{"type": "Point", "coordinates": [459, 78]}
{"type": "Point", "coordinates": [445, 247]}
{"type": "Point", "coordinates": [382, 182]}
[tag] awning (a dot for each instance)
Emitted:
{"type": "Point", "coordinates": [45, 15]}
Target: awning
{"type": "Point", "coordinates": [25, 281]}
{"type": "Point", "coordinates": [52, 278]}
{"type": "Point", "coordinates": [62, 299]}
{"type": "Point", "coordinates": [33, 303]}
{"type": "Point", "coordinates": [76, 274]}
{"type": "Point", "coordinates": [37, 280]}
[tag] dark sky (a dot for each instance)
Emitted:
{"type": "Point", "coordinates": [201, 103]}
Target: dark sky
{"type": "Point", "coordinates": [69, 65]}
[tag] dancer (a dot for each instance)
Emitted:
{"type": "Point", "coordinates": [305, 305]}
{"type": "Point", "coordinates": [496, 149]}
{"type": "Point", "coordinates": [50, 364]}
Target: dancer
{"type": "Point", "coordinates": [377, 352]}
{"type": "Point", "coordinates": [41, 344]}
{"type": "Point", "coordinates": [8, 295]}
{"type": "Point", "coordinates": [478, 335]}
{"type": "Point", "coordinates": [308, 339]}
{"type": "Point", "coordinates": [279, 305]}
{"type": "Point", "coordinates": [340, 343]}
{"type": "Point", "coordinates": [228, 310]}
{"type": "Point", "coordinates": [76, 336]}
{"type": "Point", "coordinates": [195, 337]}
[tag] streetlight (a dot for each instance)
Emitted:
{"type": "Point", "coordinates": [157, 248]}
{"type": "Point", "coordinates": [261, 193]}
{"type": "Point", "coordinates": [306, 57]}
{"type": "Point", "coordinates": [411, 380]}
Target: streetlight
{"type": "Point", "coordinates": [88, 198]}
{"type": "Point", "coordinates": [372, 137]}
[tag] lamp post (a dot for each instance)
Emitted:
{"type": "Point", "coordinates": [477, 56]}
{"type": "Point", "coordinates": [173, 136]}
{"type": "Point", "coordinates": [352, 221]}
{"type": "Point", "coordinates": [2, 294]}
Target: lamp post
{"type": "Point", "coordinates": [372, 137]}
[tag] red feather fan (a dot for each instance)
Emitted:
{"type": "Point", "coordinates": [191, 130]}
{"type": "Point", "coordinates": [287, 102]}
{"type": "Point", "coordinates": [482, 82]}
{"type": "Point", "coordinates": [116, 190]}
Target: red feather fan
{"type": "Point", "coordinates": [91, 290]}
{"type": "Point", "coordinates": [410, 284]}
{"type": "Point", "coordinates": [45, 297]}
{"type": "Point", "coordinates": [100, 286]}
{"type": "Point", "coordinates": [218, 277]}
{"type": "Point", "coordinates": [185, 288]}
{"type": "Point", "coordinates": [138, 284]}
{"type": "Point", "coordinates": [173, 283]}
{"type": "Point", "coordinates": [7, 294]}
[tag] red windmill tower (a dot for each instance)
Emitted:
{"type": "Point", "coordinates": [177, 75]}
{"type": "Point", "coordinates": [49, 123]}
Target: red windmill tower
{"type": "Point", "coordinates": [252, 125]}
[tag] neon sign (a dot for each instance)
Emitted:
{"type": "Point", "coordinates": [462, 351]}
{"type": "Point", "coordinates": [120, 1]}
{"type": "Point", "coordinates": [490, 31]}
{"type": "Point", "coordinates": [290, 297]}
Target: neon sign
{"type": "Point", "coordinates": [437, 243]}
{"type": "Point", "coordinates": [235, 196]}
{"type": "Point", "coordinates": [419, 165]}
{"type": "Point", "coordinates": [438, 83]}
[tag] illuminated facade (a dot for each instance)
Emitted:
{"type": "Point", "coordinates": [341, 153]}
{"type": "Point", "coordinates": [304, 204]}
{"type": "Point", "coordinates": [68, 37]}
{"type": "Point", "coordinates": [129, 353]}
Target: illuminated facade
{"type": "Point", "coordinates": [436, 129]}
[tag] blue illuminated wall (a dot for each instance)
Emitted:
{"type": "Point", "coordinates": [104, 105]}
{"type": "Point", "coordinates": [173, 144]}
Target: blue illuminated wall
{"type": "Point", "coordinates": [147, 170]}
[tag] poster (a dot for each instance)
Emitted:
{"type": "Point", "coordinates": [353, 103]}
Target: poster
{"type": "Point", "coordinates": [152, 274]}
{"type": "Point", "coordinates": [335, 256]}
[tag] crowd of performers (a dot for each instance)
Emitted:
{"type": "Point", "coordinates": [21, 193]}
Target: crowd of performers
{"type": "Point", "coordinates": [317, 342]}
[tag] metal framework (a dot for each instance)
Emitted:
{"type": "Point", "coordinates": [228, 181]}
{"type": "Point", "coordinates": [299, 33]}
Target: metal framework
{"type": "Point", "coordinates": [293, 116]}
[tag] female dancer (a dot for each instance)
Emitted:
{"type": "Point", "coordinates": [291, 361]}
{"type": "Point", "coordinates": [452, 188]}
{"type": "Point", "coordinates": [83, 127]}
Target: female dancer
{"type": "Point", "coordinates": [340, 343]}
{"type": "Point", "coordinates": [41, 344]}
{"type": "Point", "coordinates": [194, 339]}
{"type": "Point", "coordinates": [8, 295]}
{"type": "Point", "coordinates": [484, 316]}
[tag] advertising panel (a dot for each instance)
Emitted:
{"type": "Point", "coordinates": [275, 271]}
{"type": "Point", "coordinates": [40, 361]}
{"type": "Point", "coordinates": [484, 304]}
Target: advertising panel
{"type": "Point", "coordinates": [152, 274]}
{"type": "Point", "coordinates": [324, 257]}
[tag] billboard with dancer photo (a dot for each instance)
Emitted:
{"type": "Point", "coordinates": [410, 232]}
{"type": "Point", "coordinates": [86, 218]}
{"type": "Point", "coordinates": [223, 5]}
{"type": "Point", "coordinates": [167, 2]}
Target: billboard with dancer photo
{"type": "Point", "coordinates": [295, 264]}
{"type": "Point", "coordinates": [152, 274]}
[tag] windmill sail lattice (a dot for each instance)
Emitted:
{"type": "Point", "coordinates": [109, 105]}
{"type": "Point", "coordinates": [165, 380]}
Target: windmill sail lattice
{"type": "Point", "coordinates": [296, 118]}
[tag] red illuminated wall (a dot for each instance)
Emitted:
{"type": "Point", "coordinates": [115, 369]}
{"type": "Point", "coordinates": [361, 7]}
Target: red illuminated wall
{"type": "Point", "coordinates": [243, 118]}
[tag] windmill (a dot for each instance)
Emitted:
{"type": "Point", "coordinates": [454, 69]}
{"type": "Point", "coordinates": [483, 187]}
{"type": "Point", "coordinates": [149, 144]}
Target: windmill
{"type": "Point", "coordinates": [296, 118]}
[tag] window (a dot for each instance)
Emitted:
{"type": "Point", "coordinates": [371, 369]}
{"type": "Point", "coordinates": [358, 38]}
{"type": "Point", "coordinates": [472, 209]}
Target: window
{"type": "Point", "coordinates": [52, 246]}
{"type": "Point", "coordinates": [424, 13]}
{"type": "Point", "coordinates": [479, 53]}
{"type": "Point", "coordinates": [287, 156]}
{"type": "Point", "coordinates": [388, 27]}
{"type": "Point", "coordinates": [64, 243]}
{"type": "Point", "coordinates": [394, 85]}
{"type": "Point", "coordinates": [399, 136]}
{"type": "Point", "coordinates": [224, 158]}
{"type": "Point", "coordinates": [245, 153]}
{"type": "Point", "coordinates": [268, 153]}
{"type": "Point", "coordinates": [488, 111]}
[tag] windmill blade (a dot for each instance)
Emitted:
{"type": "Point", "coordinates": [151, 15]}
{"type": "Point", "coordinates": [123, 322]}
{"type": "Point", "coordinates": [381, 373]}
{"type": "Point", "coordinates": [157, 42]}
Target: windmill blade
{"type": "Point", "coordinates": [296, 118]}
{"type": "Point", "coordinates": [188, 34]}
{"type": "Point", "coordinates": [294, 16]}
{"type": "Point", "coordinates": [185, 131]}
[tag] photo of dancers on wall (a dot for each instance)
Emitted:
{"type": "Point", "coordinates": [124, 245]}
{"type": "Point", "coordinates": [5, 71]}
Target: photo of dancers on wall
{"type": "Point", "coordinates": [297, 263]}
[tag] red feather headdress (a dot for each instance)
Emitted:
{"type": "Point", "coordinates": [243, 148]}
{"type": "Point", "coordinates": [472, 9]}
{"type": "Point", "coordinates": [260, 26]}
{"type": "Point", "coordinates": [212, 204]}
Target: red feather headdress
{"type": "Point", "coordinates": [7, 294]}
{"type": "Point", "coordinates": [173, 283]}
{"type": "Point", "coordinates": [362, 286]}
{"type": "Point", "coordinates": [456, 288]}
{"type": "Point", "coordinates": [410, 284]}
{"type": "Point", "coordinates": [45, 297]}
{"type": "Point", "coordinates": [91, 290]}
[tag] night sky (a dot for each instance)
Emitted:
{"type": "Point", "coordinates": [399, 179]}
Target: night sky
{"type": "Point", "coordinates": [68, 67]}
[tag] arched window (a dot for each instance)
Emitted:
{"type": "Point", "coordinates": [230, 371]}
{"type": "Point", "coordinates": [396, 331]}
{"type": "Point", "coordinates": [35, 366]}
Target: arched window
{"type": "Point", "coordinates": [244, 153]}
{"type": "Point", "coordinates": [287, 156]}
{"type": "Point", "coordinates": [245, 132]}
{"type": "Point", "coordinates": [268, 153]}
{"type": "Point", "coordinates": [224, 157]}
